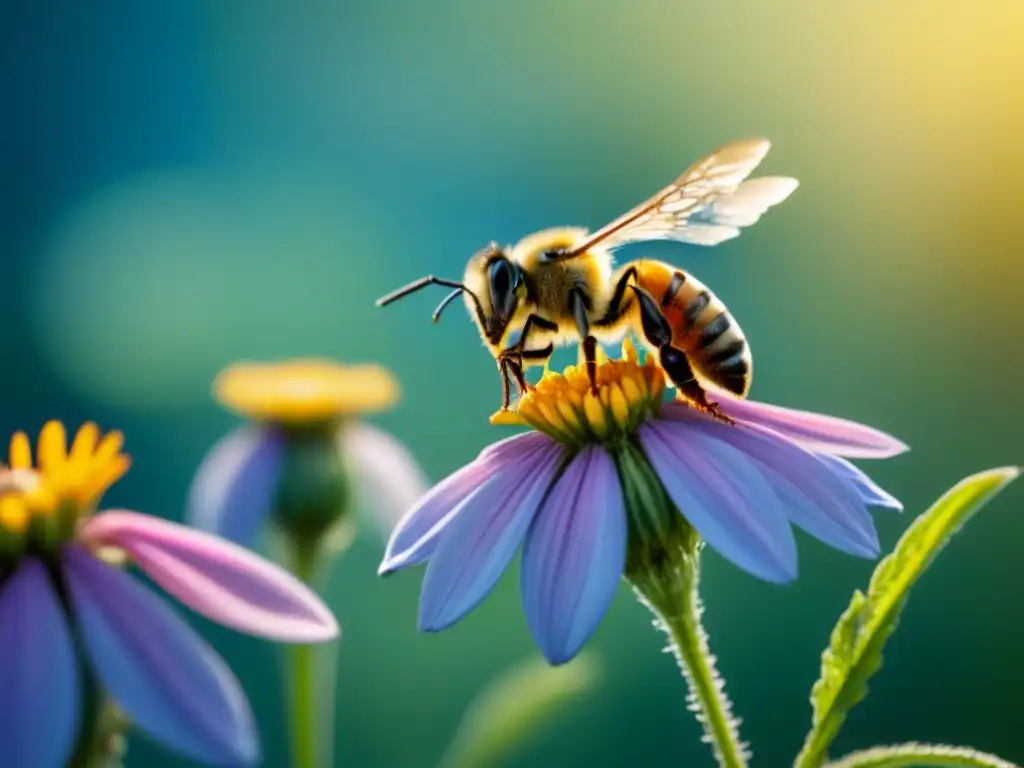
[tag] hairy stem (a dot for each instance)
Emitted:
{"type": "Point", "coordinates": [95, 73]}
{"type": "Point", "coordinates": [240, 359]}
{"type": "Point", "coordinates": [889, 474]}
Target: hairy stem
{"type": "Point", "coordinates": [914, 754]}
{"type": "Point", "coordinates": [671, 593]}
{"type": "Point", "coordinates": [103, 744]}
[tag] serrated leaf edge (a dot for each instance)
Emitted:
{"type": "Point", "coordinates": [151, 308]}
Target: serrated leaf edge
{"type": "Point", "coordinates": [860, 633]}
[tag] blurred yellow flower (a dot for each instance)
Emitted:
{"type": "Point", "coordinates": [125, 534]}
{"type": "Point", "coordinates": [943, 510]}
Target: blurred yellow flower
{"type": "Point", "coordinates": [304, 391]}
{"type": "Point", "coordinates": [74, 478]}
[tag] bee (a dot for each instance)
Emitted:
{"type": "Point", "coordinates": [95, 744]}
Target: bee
{"type": "Point", "coordinates": [559, 286]}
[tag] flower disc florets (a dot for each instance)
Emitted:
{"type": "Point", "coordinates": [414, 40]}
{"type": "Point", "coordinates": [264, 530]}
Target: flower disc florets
{"type": "Point", "coordinates": [564, 406]}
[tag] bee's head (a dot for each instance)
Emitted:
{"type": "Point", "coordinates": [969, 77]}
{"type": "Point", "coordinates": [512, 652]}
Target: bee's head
{"type": "Point", "coordinates": [492, 288]}
{"type": "Point", "coordinates": [497, 283]}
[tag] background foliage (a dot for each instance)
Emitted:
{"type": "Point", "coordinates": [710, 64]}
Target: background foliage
{"type": "Point", "coordinates": [188, 183]}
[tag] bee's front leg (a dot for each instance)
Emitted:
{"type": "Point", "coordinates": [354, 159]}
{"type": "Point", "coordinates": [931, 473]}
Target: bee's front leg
{"type": "Point", "coordinates": [506, 385]}
{"type": "Point", "coordinates": [511, 368]}
{"type": "Point", "coordinates": [516, 366]}
{"type": "Point", "coordinates": [511, 364]}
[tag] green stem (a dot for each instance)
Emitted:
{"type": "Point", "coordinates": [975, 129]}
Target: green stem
{"type": "Point", "coordinates": [302, 679]}
{"type": "Point", "coordinates": [671, 593]}
{"type": "Point", "coordinates": [310, 677]}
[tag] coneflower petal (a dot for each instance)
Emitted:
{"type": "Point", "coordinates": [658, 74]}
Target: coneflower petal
{"type": "Point", "coordinates": [224, 582]}
{"type": "Point", "coordinates": [234, 489]}
{"type": "Point", "coordinates": [814, 431]}
{"type": "Point", "coordinates": [416, 534]}
{"type": "Point", "coordinates": [39, 706]}
{"type": "Point", "coordinates": [725, 498]}
{"type": "Point", "coordinates": [167, 679]}
{"type": "Point", "coordinates": [817, 500]}
{"type": "Point", "coordinates": [476, 547]}
{"type": "Point", "coordinates": [574, 555]}
{"type": "Point", "coordinates": [870, 492]}
{"type": "Point", "coordinates": [390, 479]}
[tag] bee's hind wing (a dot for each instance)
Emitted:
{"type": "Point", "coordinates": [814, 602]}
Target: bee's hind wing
{"type": "Point", "coordinates": [720, 219]}
{"type": "Point", "coordinates": [708, 204]}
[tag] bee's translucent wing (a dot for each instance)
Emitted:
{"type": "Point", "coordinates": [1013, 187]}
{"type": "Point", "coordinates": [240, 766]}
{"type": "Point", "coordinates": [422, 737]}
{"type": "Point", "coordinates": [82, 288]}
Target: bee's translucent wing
{"type": "Point", "coordinates": [707, 205]}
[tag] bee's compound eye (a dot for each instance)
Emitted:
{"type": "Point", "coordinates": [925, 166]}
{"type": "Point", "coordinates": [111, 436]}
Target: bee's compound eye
{"type": "Point", "coordinates": [501, 276]}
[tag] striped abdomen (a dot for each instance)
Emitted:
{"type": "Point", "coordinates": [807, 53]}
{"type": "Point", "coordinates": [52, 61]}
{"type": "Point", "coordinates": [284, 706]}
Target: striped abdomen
{"type": "Point", "coordinates": [702, 327]}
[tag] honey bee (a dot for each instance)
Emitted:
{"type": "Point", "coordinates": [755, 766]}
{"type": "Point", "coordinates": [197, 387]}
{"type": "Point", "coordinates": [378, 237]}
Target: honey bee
{"type": "Point", "coordinates": [558, 286]}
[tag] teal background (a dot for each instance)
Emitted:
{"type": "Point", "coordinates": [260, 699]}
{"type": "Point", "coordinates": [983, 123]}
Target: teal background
{"type": "Point", "coordinates": [189, 183]}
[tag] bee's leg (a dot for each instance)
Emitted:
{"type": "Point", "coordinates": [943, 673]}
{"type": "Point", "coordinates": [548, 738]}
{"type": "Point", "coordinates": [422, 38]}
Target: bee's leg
{"type": "Point", "coordinates": [541, 355]}
{"type": "Point", "coordinates": [617, 303]}
{"type": "Point", "coordinates": [510, 361]}
{"type": "Point", "coordinates": [506, 387]}
{"type": "Point", "coordinates": [512, 357]}
{"type": "Point", "coordinates": [655, 326]}
{"type": "Point", "coordinates": [590, 356]}
{"type": "Point", "coordinates": [578, 304]}
{"type": "Point", "coordinates": [673, 361]}
{"type": "Point", "coordinates": [517, 371]}
{"type": "Point", "coordinates": [677, 367]}
{"type": "Point", "coordinates": [519, 348]}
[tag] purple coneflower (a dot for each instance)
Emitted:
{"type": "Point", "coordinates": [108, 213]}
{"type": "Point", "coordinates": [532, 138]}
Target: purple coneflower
{"type": "Point", "coordinates": [301, 466]}
{"type": "Point", "coordinates": [306, 453]}
{"type": "Point", "coordinates": [69, 613]}
{"type": "Point", "coordinates": [623, 484]}
{"type": "Point", "coordinates": [563, 492]}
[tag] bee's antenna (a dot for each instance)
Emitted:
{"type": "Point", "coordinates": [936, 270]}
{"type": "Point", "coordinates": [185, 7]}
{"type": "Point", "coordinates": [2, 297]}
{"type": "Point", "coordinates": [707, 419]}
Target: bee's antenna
{"type": "Point", "coordinates": [423, 282]}
{"type": "Point", "coordinates": [447, 300]}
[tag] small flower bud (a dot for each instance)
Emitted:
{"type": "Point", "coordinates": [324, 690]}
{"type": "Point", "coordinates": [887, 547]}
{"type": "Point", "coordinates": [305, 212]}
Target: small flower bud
{"type": "Point", "coordinates": [314, 495]}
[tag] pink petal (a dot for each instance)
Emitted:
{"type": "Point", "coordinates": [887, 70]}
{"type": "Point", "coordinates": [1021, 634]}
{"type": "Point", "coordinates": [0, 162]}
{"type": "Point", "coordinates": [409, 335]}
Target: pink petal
{"type": "Point", "coordinates": [813, 431]}
{"type": "Point", "coordinates": [387, 476]}
{"type": "Point", "coordinates": [219, 580]}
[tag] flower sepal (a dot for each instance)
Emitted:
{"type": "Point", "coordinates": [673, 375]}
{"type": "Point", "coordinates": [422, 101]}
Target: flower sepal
{"type": "Point", "coordinates": [660, 538]}
{"type": "Point", "coordinates": [102, 740]}
{"type": "Point", "coordinates": [12, 545]}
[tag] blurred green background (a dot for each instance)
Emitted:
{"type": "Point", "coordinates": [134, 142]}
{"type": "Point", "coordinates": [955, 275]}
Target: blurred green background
{"type": "Point", "coordinates": [189, 183]}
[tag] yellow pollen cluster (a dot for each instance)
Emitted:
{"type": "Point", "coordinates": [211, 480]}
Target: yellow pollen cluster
{"type": "Point", "coordinates": [304, 391]}
{"type": "Point", "coordinates": [61, 478]}
{"type": "Point", "coordinates": [563, 406]}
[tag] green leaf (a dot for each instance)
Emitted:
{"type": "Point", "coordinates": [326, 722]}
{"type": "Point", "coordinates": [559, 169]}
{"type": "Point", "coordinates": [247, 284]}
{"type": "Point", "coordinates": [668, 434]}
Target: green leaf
{"type": "Point", "coordinates": [512, 706]}
{"type": "Point", "coordinates": [855, 651]}
{"type": "Point", "coordinates": [914, 754]}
